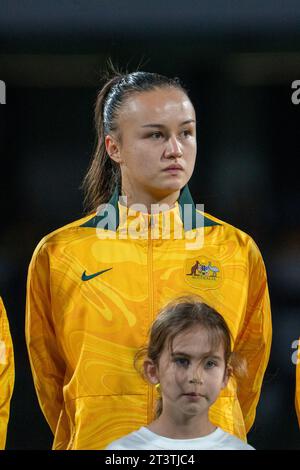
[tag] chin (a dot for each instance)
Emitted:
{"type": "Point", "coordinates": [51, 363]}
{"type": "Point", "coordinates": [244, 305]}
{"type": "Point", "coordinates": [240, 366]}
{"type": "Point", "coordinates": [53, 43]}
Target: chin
{"type": "Point", "coordinates": [174, 186]}
{"type": "Point", "coordinates": [193, 410]}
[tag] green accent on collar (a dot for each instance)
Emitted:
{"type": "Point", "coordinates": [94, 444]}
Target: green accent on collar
{"type": "Point", "coordinates": [193, 219]}
{"type": "Point", "coordinates": [108, 217]}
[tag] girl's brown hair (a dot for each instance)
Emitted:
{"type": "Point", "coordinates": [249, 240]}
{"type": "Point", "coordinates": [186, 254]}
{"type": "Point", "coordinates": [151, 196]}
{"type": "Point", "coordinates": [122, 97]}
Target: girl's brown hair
{"type": "Point", "coordinates": [103, 173]}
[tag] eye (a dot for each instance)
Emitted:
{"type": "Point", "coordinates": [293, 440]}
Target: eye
{"type": "Point", "coordinates": [210, 364]}
{"type": "Point", "coordinates": [155, 135]}
{"type": "Point", "coordinates": [186, 133]}
{"type": "Point", "coordinates": [182, 361]}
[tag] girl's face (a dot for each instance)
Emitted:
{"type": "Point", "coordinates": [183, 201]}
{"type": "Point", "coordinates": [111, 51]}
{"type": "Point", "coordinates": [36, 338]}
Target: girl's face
{"type": "Point", "coordinates": [157, 145]}
{"type": "Point", "coordinates": [191, 374]}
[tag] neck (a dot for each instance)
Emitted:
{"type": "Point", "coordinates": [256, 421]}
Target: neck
{"type": "Point", "coordinates": [186, 427]}
{"type": "Point", "coordinates": [148, 200]}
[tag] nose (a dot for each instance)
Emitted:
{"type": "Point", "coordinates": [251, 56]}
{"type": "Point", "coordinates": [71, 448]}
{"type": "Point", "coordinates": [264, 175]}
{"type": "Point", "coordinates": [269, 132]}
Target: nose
{"type": "Point", "coordinates": [173, 149]}
{"type": "Point", "coordinates": [196, 377]}
{"type": "Point", "coordinates": [195, 380]}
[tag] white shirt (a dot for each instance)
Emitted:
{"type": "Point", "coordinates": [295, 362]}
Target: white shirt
{"type": "Point", "coordinates": [144, 439]}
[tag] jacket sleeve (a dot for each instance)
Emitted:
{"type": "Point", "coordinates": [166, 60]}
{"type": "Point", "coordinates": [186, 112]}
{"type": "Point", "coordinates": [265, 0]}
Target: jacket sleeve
{"type": "Point", "coordinates": [7, 373]}
{"type": "Point", "coordinates": [254, 340]}
{"type": "Point", "coordinates": [297, 394]}
{"type": "Point", "coordinates": [47, 365]}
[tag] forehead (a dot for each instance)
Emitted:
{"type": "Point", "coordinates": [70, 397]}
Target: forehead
{"type": "Point", "coordinates": [195, 341]}
{"type": "Point", "coordinates": [157, 106]}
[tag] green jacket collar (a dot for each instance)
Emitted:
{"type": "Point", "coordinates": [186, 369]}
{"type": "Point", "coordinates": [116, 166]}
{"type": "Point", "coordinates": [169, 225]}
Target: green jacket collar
{"type": "Point", "coordinates": [190, 217]}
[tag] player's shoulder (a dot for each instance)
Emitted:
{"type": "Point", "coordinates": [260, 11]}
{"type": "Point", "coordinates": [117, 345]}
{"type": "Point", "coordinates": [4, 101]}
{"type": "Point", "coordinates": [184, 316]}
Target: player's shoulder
{"type": "Point", "coordinates": [228, 233]}
{"type": "Point", "coordinates": [228, 228]}
{"type": "Point", "coordinates": [63, 234]}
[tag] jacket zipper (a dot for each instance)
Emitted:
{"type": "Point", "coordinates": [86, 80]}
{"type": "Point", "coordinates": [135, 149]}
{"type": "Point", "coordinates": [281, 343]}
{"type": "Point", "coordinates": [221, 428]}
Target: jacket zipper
{"type": "Point", "coordinates": [151, 312]}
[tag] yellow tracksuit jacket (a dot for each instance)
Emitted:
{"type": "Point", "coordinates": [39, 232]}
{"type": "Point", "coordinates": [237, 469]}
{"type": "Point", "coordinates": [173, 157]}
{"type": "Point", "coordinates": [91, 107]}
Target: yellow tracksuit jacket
{"type": "Point", "coordinates": [93, 293]}
{"type": "Point", "coordinates": [7, 373]}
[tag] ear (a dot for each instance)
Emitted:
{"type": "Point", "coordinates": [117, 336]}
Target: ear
{"type": "Point", "coordinates": [227, 375]}
{"type": "Point", "coordinates": [113, 148]}
{"type": "Point", "coordinates": [151, 371]}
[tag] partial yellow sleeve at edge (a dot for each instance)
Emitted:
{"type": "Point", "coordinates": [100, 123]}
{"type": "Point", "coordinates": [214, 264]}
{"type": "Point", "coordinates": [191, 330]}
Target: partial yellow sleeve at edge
{"type": "Point", "coordinates": [7, 373]}
{"type": "Point", "coordinates": [297, 394]}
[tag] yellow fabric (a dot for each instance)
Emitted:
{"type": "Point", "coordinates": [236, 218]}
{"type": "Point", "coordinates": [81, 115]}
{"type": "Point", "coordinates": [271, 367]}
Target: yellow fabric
{"type": "Point", "coordinates": [82, 335]}
{"type": "Point", "coordinates": [7, 373]}
{"type": "Point", "coordinates": [297, 395]}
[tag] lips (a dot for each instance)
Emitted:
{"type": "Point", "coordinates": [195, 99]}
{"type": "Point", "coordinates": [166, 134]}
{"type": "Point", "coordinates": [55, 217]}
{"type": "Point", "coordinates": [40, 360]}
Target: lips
{"type": "Point", "coordinates": [193, 397]}
{"type": "Point", "coordinates": [173, 167]}
{"type": "Point", "coordinates": [192, 394]}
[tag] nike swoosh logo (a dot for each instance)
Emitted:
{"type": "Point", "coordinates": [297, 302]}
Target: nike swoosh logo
{"type": "Point", "coordinates": [86, 277]}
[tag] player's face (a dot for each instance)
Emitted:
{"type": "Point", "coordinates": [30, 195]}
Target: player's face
{"type": "Point", "coordinates": [157, 147]}
{"type": "Point", "coordinates": [191, 374]}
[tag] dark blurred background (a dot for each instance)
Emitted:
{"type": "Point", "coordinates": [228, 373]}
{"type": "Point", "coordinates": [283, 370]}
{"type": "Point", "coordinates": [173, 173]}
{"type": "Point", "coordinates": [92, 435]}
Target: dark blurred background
{"type": "Point", "coordinates": [238, 59]}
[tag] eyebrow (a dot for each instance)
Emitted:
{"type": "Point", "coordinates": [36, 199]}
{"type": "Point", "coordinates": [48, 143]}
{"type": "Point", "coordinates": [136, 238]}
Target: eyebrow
{"type": "Point", "coordinates": [162, 125]}
{"type": "Point", "coordinates": [179, 353]}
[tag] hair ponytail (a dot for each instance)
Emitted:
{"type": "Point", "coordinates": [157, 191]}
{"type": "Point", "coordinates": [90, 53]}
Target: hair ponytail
{"type": "Point", "coordinates": [103, 173]}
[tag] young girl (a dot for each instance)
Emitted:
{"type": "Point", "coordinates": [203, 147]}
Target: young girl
{"type": "Point", "coordinates": [189, 357]}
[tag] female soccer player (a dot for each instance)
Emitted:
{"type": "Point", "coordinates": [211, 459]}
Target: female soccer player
{"type": "Point", "coordinates": [95, 285]}
{"type": "Point", "coordinates": [7, 373]}
{"type": "Point", "coordinates": [189, 357]}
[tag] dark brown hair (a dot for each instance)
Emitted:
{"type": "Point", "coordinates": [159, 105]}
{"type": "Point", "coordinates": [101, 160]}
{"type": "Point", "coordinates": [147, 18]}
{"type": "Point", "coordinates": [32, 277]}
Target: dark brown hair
{"type": "Point", "coordinates": [103, 173]}
{"type": "Point", "coordinates": [180, 315]}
